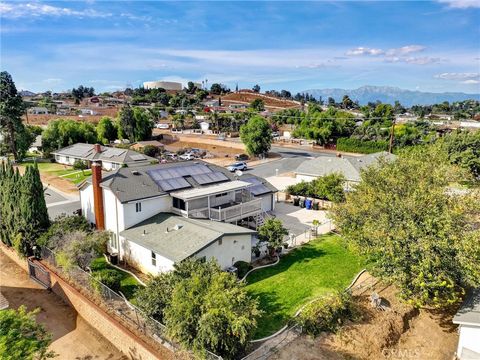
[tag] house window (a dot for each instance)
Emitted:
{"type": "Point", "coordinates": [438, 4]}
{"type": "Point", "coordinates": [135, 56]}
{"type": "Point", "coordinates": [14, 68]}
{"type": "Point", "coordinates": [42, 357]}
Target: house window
{"type": "Point", "coordinates": [179, 203]}
{"type": "Point", "coordinates": [220, 241]}
{"type": "Point", "coordinates": [154, 259]}
{"type": "Point", "coordinates": [221, 195]}
{"type": "Point", "coordinates": [138, 207]}
{"type": "Point", "coordinates": [67, 158]}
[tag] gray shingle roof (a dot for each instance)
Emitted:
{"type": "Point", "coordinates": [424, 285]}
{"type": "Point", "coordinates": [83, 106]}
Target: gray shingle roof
{"type": "Point", "coordinates": [349, 167]}
{"type": "Point", "coordinates": [130, 184]}
{"type": "Point", "coordinates": [114, 155]}
{"type": "Point", "coordinates": [469, 313]}
{"type": "Point", "coordinates": [158, 234]}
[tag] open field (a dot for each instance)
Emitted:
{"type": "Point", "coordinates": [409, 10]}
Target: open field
{"type": "Point", "coordinates": [321, 266]}
{"type": "Point", "coordinates": [270, 101]}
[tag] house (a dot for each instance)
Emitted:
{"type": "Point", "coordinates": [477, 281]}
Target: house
{"type": "Point", "coordinates": [87, 112]}
{"type": "Point", "coordinates": [36, 146]}
{"type": "Point", "coordinates": [468, 319]}
{"type": "Point", "coordinates": [349, 167]}
{"type": "Point", "coordinates": [38, 110]}
{"type": "Point", "coordinates": [161, 214]}
{"type": "Point", "coordinates": [111, 158]}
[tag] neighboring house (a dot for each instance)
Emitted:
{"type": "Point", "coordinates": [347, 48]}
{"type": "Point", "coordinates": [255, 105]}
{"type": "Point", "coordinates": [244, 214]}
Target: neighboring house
{"type": "Point", "coordinates": [87, 112]}
{"type": "Point", "coordinates": [111, 158]}
{"type": "Point", "coordinates": [204, 125]}
{"type": "Point", "coordinates": [37, 110]}
{"type": "Point", "coordinates": [349, 167]}
{"type": "Point", "coordinates": [468, 319]}
{"type": "Point", "coordinates": [138, 146]}
{"type": "Point", "coordinates": [37, 145]}
{"type": "Point", "coordinates": [143, 206]}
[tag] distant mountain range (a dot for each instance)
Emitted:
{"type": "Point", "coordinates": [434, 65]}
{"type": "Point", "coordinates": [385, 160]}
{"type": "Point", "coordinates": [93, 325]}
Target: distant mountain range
{"type": "Point", "coordinates": [389, 94]}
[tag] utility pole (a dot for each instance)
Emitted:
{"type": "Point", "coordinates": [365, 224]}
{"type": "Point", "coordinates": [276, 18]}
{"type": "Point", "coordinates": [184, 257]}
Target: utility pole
{"type": "Point", "coordinates": [390, 146]}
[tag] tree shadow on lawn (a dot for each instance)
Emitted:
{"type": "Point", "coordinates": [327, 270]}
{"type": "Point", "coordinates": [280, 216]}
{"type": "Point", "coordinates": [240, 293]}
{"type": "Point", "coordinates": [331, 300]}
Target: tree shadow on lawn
{"type": "Point", "coordinates": [304, 254]}
{"type": "Point", "coordinates": [272, 318]}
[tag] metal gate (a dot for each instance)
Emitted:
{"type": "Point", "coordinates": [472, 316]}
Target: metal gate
{"type": "Point", "coordinates": [39, 274]}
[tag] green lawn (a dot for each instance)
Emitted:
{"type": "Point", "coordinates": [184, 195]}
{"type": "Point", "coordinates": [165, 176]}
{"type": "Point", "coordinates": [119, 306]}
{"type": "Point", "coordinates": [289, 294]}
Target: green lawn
{"type": "Point", "coordinates": [321, 266]}
{"type": "Point", "coordinates": [128, 283]}
{"type": "Point", "coordinates": [64, 171]}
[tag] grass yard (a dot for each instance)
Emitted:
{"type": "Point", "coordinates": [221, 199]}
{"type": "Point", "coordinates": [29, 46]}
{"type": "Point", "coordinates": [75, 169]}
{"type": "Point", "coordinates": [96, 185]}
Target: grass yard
{"type": "Point", "coordinates": [78, 177]}
{"type": "Point", "coordinates": [321, 266]}
{"type": "Point", "coordinates": [128, 284]}
{"type": "Point", "coordinates": [59, 170]}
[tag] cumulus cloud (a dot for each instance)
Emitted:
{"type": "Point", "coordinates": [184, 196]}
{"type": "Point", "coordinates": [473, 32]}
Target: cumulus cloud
{"type": "Point", "coordinates": [458, 76]}
{"type": "Point", "coordinates": [359, 51]}
{"type": "Point", "coordinates": [15, 11]}
{"type": "Point", "coordinates": [470, 82]}
{"type": "Point", "coordinates": [461, 4]}
{"type": "Point", "coordinates": [405, 50]}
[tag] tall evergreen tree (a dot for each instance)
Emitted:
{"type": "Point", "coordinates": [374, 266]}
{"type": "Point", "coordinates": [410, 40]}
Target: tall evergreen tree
{"type": "Point", "coordinates": [12, 108]}
{"type": "Point", "coordinates": [33, 209]}
{"type": "Point", "coordinates": [126, 124]}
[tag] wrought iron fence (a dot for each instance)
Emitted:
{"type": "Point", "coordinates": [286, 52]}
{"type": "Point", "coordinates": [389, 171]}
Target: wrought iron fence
{"type": "Point", "coordinates": [115, 303]}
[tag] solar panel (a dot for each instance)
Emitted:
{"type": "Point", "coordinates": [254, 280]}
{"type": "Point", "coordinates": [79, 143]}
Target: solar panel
{"type": "Point", "coordinates": [210, 178]}
{"type": "Point", "coordinates": [173, 184]}
{"type": "Point", "coordinates": [258, 189]}
{"type": "Point", "coordinates": [109, 153]}
{"type": "Point", "coordinates": [138, 157]}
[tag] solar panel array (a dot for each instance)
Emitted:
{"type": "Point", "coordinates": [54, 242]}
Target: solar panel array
{"type": "Point", "coordinates": [109, 153]}
{"type": "Point", "coordinates": [173, 178]}
{"type": "Point", "coordinates": [257, 187]}
{"type": "Point", "coordinates": [137, 157]}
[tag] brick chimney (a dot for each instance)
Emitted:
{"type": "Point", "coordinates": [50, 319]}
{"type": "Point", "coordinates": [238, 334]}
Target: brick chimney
{"type": "Point", "coordinates": [98, 194]}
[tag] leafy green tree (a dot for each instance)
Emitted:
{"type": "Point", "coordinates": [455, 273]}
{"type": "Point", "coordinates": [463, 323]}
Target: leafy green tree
{"type": "Point", "coordinates": [33, 210]}
{"type": "Point", "coordinates": [143, 125]}
{"type": "Point", "coordinates": [463, 148]}
{"type": "Point", "coordinates": [257, 105]}
{"type": "Point", "coordinates": [415, 231]}
{"type": "Point", "coordinates": [80, 165]}
{"type": "Point", "coordinates": [106, 130]}
{"type": "Point", "coordinates": [151, 150]}
{"type": "Point", "coordinates": [330, 187]}
{"type": "Point", "coordinates": [60, 133]}
{"type": "Point", "coordinates": [126, 124]}
{"type": "Point", "coordinates": [21, 337]}
{"type": "Point", "coordinates": [256, 134]}
{"type": "Point", "coordinates": [347, 103]}
{"type": "Point", "coordinates": [11, 126]}
{"type": "Point", "coordinates": [272, 233]}
{"type": "Point", "coordinates": [219, 89]}
{"type": "Point", "coordinates": [62, 225]}
{"type": "Point", "coordinates": [256, 88]}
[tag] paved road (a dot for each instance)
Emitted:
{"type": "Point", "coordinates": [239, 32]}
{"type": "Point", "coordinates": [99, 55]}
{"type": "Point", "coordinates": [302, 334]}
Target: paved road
{"type": "Point", "coordinates": [58, 203]}
{"type": "Point", "coordinates": [291, 159]}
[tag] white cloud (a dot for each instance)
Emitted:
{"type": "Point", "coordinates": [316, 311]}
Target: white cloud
{"type": "Point", "coordinates": [405, 50]}
{"type": "Point", "coordinates": [359, 51]}
{"type": "Point", "coordinates": [459, 76]}
{"type": "Point", "coordinates": [461, 4]}
{"type": "Point", "coordinates": [470, 82]}
{"type": "Point", "coordinates": [15, 11]}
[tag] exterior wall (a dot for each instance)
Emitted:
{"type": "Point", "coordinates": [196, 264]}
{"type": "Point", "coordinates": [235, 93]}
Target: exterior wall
{"type": "Point", "coordinates": [217, 201]}
{"type": "Point", "coordinates": [66, 160]}
{"type": "Point", "coordinates": [468, 339]}
{"type": "Point", "coordinates": [150, 207]}
{"type": "Point", "coordinates": [141, 258]}
{"type": "Point", "coordinates": [267, 202]}
{"type": "Point", "coordinates": [167, 85]}
{"type": "Point", "coordinates": [305, 178]}
{"type": "Point", "coordinates": [233, 247]}
{"type": "Point", "coordinates": [86, 201]}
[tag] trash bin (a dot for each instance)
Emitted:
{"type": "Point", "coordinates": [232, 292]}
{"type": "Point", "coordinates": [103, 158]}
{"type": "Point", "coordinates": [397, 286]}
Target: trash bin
{"type": "Point", "coordinates": [296, 201]}
{"type": "Point", "coordinates": [302, 203]}
{"type": "Point", "coordinates": [308, 204]}
{"type": "Point", "coordinates": [113, 258]}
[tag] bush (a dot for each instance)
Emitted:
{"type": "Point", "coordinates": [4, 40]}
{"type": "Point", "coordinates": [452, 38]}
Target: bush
{"type": "Point", "coordinates": [326, 313]}
{"type": "Point", "coordinates": [61, 226]}
{"type": "Point", "coordinates": [243, 267]}
{"type": "Point", "coordinates": [328, 187]}
{"type": "Point", "coordinates": [361, 146]}
{"type": "Point", "coordinates": [151, 150]}
{"type": "Point", "coordinates": [108, 277]}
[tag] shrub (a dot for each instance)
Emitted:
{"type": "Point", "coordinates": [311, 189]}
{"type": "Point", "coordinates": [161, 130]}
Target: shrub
{"type": "Point", "coordinates": [61, 226]}
{"type": "Point", "coordinates": [108, 277]}
{"type": "Point", "coordinates": [325, 314]}
{"type": "Point", "coordinates": [243, 267]}
{"type": "Point", "coordinates": [361, 146]}
{"type": "Point", "coordinates": [151, 150]}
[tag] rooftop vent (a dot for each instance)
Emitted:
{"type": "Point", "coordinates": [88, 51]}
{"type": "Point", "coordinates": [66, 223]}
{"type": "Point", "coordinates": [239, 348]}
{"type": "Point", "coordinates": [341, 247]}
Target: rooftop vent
{"type": "Point", "coordinates": [177, 227]}
{"type": "Point", "coordinates": [135, 172]}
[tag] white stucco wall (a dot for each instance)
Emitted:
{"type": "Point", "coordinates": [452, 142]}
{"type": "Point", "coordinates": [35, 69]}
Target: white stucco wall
{"type": "Point", "coordinates": [236, 247]}
{"type": "Point", "coordinates": [63, 159]}
{"type": "Point", "coordinates": [150, 207]}
{"type": "Point", "coordinates": [267, 203]}
{"type": "Point", "coordinates": [141, 258]}
{"type": "Point", "coordinates": [86, 202]}
{"type": "Point", "coordinates": [469, 339]}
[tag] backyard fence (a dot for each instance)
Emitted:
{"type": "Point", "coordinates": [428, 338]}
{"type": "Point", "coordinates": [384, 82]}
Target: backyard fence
{"type": "Point", "coordinates": [115, 303]}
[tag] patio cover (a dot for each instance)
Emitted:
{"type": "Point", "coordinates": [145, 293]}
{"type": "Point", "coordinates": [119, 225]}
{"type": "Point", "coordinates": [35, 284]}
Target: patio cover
{"type": "Point", "coordinates": [196, 193]}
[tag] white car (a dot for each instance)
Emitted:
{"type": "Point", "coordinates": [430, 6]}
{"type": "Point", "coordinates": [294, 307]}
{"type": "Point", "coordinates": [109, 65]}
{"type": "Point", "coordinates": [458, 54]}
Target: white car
{"type": "Point", "coordinates": [162, 126]}
{"type": "Point", "coordinates": [187, 156]}
{"type": "Point", "coordinates": [237, 166]}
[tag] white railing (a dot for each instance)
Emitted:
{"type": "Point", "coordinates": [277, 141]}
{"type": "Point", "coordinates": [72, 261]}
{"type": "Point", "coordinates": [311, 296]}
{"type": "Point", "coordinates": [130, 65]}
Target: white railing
{"type": "Point", "coordinates": [236, 211]}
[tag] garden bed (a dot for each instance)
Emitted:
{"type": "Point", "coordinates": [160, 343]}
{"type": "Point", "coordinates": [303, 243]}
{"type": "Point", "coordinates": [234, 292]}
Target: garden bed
{"type": "Point", "coordinates": [318, 267]}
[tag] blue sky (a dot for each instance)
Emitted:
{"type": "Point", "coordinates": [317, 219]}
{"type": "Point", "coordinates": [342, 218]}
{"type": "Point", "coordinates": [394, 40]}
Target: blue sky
{"type": "Point", "coordinates": [429, 46]}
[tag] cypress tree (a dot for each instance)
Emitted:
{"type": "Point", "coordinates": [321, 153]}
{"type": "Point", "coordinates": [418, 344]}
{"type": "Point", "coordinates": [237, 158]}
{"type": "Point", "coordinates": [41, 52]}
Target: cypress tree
{"type": "Point", "coordinates": [33, 213]}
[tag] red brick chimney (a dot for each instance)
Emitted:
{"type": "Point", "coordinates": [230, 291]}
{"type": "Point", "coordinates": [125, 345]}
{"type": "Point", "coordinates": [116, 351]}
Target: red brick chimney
{"type": "Point", "coordinates": [98, 194]}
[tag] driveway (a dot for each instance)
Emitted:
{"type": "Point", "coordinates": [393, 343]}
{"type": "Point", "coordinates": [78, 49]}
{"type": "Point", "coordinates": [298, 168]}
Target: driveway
{"type": "Point", "coordinates": [73, 338]}
{"type": "Point", "coordinates": [60, 203]}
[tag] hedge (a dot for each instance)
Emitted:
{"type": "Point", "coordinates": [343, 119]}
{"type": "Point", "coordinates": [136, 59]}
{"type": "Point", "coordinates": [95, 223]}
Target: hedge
{"type": "Point", "coordinates": [361, 146]}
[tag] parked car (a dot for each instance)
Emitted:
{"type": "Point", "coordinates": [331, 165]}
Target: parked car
{"type": "Point", "coordinates": [237, 166]}
{"type": "Point", "coordinates": [170, 155]}
{"type": "Point", "coordinates": [162, 126]}
{"type": "Point", "coordinates": [187, 156]}
{"type": "Point", "coordinates": [241, 157]}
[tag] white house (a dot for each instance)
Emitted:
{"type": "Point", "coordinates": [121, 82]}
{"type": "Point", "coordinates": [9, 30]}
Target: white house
{"type": "Point", "coordinates": [468, 319]}
{"type": "Point", "coordinates": [349, 167]}
{"type": "Point", "coordinates": [38, 110]}
{"type": "Point", "coordinates": [164, 213]}
{"type": "Point", "coordinates": [111, 158]}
